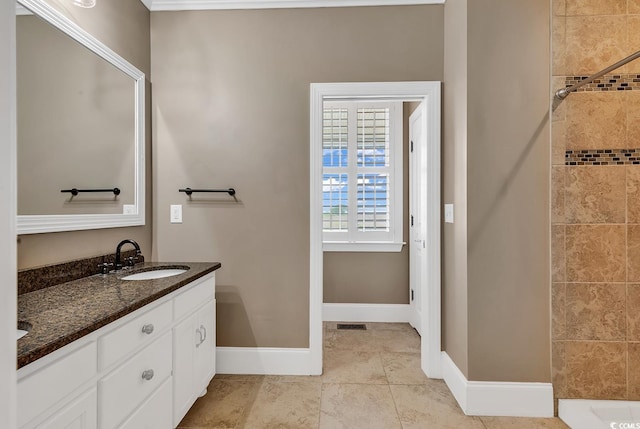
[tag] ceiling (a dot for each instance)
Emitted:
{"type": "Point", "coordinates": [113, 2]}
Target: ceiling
{"type": "Point", "coordinates": [157, 5]}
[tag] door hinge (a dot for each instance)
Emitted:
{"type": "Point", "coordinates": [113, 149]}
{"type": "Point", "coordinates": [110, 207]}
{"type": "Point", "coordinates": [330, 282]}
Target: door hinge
{"type": "Point", "coordinates": [411, 145]}
{"type": "Point", "coordinates": [411, 220]}
{"type": "Point", "coordinates": [412, 297]}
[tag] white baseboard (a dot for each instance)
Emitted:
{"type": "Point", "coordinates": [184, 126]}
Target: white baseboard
{"type": "Point", "coordinates": [594, 414]}
{"type": "Point", "coordinates": [263, 361]}
{"type": "Point", "coordinates": [389, 313]}
{"type": "Point", "coordinates": [488, 398]}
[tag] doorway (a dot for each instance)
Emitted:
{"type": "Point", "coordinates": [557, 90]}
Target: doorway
{"type": "Point", "coordinates": [428, 94]}
{"type": "Point", "coordinates": [417, 210]}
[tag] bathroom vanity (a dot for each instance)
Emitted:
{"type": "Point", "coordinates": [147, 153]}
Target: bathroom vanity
{"type": "Point", "coordinates": [105, 352]}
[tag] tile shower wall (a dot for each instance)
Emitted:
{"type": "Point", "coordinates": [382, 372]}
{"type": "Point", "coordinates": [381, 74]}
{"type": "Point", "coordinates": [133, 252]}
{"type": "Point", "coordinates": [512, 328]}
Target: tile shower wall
{"type": "Point", "coordinates": [596, 202]}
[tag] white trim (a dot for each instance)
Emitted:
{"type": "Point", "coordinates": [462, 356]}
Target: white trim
{"type": "Point", "coordinates": [34, 224]}
{"type": "Point", "coordinates": [147, 3]}
{"type": "Point", "coordinates": [157, 5]}
{"type": "Point", "coordinates": [22, 11]}
{"type": "Point", "coordinates": [588, 413]}
{"type": "Point", "coordinates": [455, 379]}
{"type": "Point", "coordinates": [430, 93]}
{"type": "Point", "coordinates": [262, 360]}
{"type": "Point", "coordinates": [388, 313]}
{"type": "Point", "coordinates": [489, 398]}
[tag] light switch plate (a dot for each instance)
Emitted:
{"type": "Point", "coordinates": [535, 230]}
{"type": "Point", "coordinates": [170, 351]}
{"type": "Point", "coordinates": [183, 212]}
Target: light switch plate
{"type": "Point", "coordinates": [448, 213]}
{"type": "Point", "coordinates": [128, 209]}
{"type": "Point", "coordinates": [176, 213]}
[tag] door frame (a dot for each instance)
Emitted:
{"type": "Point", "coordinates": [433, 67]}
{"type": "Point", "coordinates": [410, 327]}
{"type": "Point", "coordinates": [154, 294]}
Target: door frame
{"type": "Point", "coordinates": [428, 92]}
{"type": "Point", "coordinates": [417, 165]}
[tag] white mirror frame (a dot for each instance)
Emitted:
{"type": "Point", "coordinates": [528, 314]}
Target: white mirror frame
{"type": "Point", "coordinates": [34, 224]}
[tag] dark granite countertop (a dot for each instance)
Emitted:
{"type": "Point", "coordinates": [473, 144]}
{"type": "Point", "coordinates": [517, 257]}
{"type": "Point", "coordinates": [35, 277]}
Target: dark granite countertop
{"type": "Point", "coordinates": [63, 313]}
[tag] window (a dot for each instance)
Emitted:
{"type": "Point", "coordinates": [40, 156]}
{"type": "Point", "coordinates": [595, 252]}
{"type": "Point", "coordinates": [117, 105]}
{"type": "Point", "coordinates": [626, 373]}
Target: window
{"type": "Point", "coordinates": [362, 176]}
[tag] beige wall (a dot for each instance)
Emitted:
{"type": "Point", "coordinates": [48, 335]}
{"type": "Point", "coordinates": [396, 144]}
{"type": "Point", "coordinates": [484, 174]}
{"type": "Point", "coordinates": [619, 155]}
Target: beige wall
{"type": "Point", "coordinates": [8, 312]}
{"type": "Point", "coordinates": [123, 25]}
{"type": "Point", "coordinates": [373, 278]}
{"type": "Point", "coordinates": [507, 193]}
{"type": "Point", "coordinates": [454, 185]}
{"type": "Point", "coordinates": [595, 210]}
{"type": "Point", "coordinates": [231, 108]}
{"type": "Point", "coordinates": [506, 237]}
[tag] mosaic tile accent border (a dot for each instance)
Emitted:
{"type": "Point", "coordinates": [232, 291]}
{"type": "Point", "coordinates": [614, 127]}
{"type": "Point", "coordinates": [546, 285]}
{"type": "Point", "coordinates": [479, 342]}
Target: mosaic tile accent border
{"type": "Point", "coordinates": [609, 82]}
{"type": "Point", "coordinates": [602, 157]}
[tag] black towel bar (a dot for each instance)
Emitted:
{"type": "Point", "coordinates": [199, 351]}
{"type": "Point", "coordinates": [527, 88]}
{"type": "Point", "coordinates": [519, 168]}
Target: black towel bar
{"type": "Point", "coordinates": [190, 191]}
{"type": "Point", "coordinates": [75, 191]}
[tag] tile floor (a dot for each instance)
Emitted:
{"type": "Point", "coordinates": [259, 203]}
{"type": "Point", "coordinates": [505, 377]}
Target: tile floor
{"type": "Point", "coordinates": [372, 380]}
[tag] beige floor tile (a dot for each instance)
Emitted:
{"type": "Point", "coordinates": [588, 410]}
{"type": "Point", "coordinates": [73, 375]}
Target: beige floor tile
{"type": "Point", "coordinates": [372, 380]}
{"type": "Point", "coordinates": [360, 341]}
{"type": "Point", "coordinates": [430, 406]}
{"type": "Point", "coordinates": [395, 341]}
{"type": "Point", "coordinates": [223, 406]}
{"type": "Point", "coordinates": [239, 377]}
{"type": "Point", "coordinates": [517, 422]}
{"type": "Point", "coordinates": [379, 326]}
{"type": "Point", "coordinates": [285, 405]}
{"type": "Point", "coordinates": [353, 406]}
{"type": "Point", "coordinates": [344, 366]}
{"type": "Point", "coordinates": [293, 379]}
{"type": "Point", "coordinates": [403, 368]}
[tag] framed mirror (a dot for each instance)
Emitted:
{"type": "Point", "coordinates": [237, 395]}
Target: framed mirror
{"type": "Point", "coordinates": [80, 128]}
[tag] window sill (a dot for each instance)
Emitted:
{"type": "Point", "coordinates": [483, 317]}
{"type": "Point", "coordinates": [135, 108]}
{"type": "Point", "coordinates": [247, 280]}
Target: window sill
{"type": "Point", "coordinates": [371, 246]}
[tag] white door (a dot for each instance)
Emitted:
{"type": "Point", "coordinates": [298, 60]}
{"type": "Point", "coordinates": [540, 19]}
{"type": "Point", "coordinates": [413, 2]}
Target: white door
{"type": "Point", "coordinates": [417, 214]}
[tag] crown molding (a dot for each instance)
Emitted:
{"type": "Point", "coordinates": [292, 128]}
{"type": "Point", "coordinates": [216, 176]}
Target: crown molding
{"type": "Point", "coordinates": [21, 10]}
{"type": "Point", "coordinates": [164, 5]}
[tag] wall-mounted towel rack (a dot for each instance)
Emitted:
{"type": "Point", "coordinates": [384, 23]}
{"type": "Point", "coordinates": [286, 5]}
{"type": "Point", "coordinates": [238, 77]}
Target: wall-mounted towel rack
{"type": "Point", "coordinates": [190, 191]}
{"type": "Point", "coordinates": [76, 191]}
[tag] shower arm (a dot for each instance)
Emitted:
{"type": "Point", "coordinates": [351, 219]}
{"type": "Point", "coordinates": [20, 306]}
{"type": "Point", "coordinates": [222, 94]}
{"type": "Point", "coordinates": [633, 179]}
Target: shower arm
{"type": "Point", "coordinates": [562, 93]}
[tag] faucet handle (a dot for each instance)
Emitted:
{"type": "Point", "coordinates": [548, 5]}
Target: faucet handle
{"type": "Point", "coordinates": [104, 267]}
{"type": "Point", "coordinates": [131, 261]}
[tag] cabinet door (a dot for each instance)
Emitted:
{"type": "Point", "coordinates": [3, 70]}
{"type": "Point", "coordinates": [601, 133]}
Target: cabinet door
{"type": "Point", "coordinates": [206, 348]}
{"type": "Point", "coordinates": [81, 413]}
{"type": "Point", "coordinates": [185, 338]}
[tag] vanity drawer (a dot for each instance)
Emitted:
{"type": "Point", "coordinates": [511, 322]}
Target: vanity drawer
{"type": "Point", "coordinates": [124, 389]}
{"type": "Point", "coordinates": [41, 390]}
{"type": "Point", "coordinates": [121, 341]}
{"type": "Point", "coordinates": [188, 301]}
{"type": "Point", "coordinates": [154, 413]}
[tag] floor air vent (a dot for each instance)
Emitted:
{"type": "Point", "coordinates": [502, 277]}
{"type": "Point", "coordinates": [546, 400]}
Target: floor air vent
{"type": "Point", "coordinates": [356, 326]}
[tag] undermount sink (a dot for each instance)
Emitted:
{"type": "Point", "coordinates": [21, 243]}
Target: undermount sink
{"type": "Point", "coordinates": [23, 329]}
{"type": "Point", "coordinates": [156, 274]}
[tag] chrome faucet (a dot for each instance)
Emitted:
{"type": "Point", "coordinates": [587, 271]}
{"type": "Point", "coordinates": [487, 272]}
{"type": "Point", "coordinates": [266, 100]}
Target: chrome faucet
{"type": "Point", "coordinates": [118, 263]}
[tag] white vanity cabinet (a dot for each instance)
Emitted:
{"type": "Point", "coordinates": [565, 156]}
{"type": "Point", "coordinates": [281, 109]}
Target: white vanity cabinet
{"type": "Point", "coordinates": [194, 349]}
{"type": "Point", "coordinates": [143, 371]}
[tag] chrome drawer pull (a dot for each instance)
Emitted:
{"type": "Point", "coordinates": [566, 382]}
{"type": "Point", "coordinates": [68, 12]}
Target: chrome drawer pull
{"type": "Point", "coordinates": [148, 329]}
{"type": "Point", "coordinates": [205, 333]}
{"type": "Point", "coordinates": [147, 375]}
{"type": "Point", "coordinates": [199, 332]}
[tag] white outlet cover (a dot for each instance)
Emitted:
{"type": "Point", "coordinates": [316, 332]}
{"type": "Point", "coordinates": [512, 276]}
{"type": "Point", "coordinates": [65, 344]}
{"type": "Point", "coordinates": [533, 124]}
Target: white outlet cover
{"type": "Point", "coordinates": [176, 213]}
{"type": "Point", "coordinates": [448, 213]}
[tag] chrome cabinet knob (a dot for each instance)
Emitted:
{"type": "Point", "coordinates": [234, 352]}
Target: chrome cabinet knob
{"type": "Point", "coordinates": [147, 374]}
{"type": "Point", "coordinates": [148, 328]}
